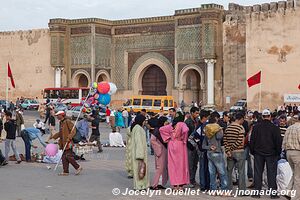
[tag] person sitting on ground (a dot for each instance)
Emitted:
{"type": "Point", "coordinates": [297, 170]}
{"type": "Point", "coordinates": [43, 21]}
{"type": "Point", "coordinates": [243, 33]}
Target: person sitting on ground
{"type": "Point", "coordinates": [83, 128]}
{"type": "Point", "coordinates": [115, 139]}
{"type": "Point", "coordinates": [40, 125]}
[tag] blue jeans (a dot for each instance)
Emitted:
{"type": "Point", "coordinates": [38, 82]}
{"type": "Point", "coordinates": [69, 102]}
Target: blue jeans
{"type": "Point", "coordinates": [125, 119]}
{"type": "Point", "coordinates": [238, 160]}
{"type": "Point", "coordinates": [249, 163]}
{"type": "Point", "coordinates": [203, 171]}
{"type": "Point", "coordinates": [26, 140]}
{"type": "Point", "coordinates": [216, 164]}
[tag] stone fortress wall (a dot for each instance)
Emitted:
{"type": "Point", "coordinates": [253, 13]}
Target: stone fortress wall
{"type": "Point", "coordinates": [267, 36]}
{"type": "Point", "coordinates": [242, 39]}
{"type": "Point", "coordinates": [28, 53]}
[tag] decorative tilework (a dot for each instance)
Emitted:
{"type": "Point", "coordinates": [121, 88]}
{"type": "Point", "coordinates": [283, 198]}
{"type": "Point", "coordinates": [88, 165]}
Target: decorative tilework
{"type": "Point", "coordinates": [144, 42]}
{"type": "Point", "coordinates": [103, 51]}
{"type": "Point", "coordinates": [80, 50]}
{"type": "Point", "coordinates": [189, 21]}
{"type": "Point", "coordinates": [54, 50]}
{"type": "Point", "coordinates": [81, 30]}
{"type": "Point", "coordinates": [144, 58]}
{"type": "Point", "coordinates": [102, 30]}
{"type": "Point", "coordinates": [145, 29]}
{"type": "Point", "coordinates": [188, 43]}
{"type": "Point", "coordinates": [208, 40]}
{"type": "Point", "coordinates": [61, 50]}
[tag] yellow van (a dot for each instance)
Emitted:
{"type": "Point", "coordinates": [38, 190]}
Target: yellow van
{"type": "Point", "coordinates": [150, 103]}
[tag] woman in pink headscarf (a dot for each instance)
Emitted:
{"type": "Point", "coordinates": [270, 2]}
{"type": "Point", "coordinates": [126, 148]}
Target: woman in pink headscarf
{"type": "Point", "coordinates": [176, 135]}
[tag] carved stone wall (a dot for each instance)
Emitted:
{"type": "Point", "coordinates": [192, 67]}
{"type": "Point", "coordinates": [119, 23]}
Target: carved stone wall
{"type": "Point", "coordinates": [142, 43]}
{"type": "Point", "coordinates": [188, 43]}
{"type": "Point", "coordinates": [103, 51]}
{"type": "Point", "coordinates": [80, 50]}
{"type": "Point", "coordinates": [134, 56]}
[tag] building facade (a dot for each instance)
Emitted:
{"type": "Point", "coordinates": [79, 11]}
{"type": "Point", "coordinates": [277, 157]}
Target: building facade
{"type": "Point", "coordinates": [179, 55]}
{"type": "Point", "coordinates": [28, 53]}
{"type": "Point", "coordinates": [267, 39]}
{"type": "Point", "coordinates": [200, 54]}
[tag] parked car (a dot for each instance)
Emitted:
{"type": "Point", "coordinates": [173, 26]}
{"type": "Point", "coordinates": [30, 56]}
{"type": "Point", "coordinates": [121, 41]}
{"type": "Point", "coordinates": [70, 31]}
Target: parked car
{"type": "Point", "coordinates": [74, 112]}
{"type": "Point", "coordinates": [29, 104]}
{"type": "Point", "coordinates": [60, 107]}
{"type": "Point", "coordinates": [4, 104]}
{"type": "Point", "coordinates": [240, 105]}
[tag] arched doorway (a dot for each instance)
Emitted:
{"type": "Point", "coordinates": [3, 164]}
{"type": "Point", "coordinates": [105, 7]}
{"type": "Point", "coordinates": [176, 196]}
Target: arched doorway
{"type": "Point", "coordinates": [139, 68]}
{"type": "Point", "coordinates": [191, 84]}
{"type": "Point", "coordinates": [102, 75]}
{"type": "Point", "coordinates": [83, 81]}
{"type": "Point", "coordinates": [154, 81]}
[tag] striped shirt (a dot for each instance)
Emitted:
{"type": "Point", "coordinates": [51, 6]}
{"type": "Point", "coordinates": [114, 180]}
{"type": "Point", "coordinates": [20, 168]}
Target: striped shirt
{"type": "Point", "coordinates": [234, 137]}
{"type": "Point", "coordinates": [291, 140]}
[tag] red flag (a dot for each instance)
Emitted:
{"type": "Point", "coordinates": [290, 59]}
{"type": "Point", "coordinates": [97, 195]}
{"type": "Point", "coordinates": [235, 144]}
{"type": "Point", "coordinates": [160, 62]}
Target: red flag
{"type": "Point", "coordinates": [10, 76]}
{"type": "Point", "coordinates": [255, 79]}
{"type": "Point", "coordinates": [299, 86]}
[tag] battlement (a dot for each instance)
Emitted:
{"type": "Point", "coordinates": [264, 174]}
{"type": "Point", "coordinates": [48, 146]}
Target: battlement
{"type": "Point", "coordinates": [187, 11]}
{"type": "Point", "coordinates": [212, 6]}
{"type": "Point", "coordinates": [22, 32]}
{"type": "Point", "coordinates": [265, 7]}
{"type": "Point", "coordinates": [197, 10]}
{"type": "Point", "coordinates": [112, 22]}
{"type": "Point", "coordinates": [77, 21]}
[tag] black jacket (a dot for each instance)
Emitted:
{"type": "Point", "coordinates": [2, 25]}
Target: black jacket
{"type": "Point", "coordinates": [265, 139]}
{"type": "Point", "coordinates": [10, 128]}
{"type": "Point", "coordinates": [191, 124]}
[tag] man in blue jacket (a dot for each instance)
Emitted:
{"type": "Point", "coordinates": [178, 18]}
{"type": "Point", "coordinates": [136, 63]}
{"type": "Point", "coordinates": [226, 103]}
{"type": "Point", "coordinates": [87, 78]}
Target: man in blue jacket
{"type": "Point", "coordinates": [28, 135]}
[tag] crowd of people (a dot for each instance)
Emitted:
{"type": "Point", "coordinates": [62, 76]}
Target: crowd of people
{"type": "Point", "coordinates": [226, 149]}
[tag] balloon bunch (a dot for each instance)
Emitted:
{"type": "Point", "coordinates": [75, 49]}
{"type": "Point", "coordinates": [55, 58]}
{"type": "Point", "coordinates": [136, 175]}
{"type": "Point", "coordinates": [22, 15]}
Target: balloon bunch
{"type": "Point", "coordinates": [100, 93]}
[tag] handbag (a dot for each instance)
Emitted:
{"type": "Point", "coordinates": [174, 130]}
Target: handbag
{"type": "Point", "coordinates": [142, 169]}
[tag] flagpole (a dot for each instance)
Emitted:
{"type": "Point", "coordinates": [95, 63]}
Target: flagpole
{"type": "Point", "coordinates": [6, 88]}
{"type": "Point", "coordinates": [259, 103]}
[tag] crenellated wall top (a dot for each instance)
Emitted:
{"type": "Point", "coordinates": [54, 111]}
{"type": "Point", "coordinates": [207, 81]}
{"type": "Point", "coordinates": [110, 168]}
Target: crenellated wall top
{"type": "Point", "coordinates": [266, 9]}
{"type": "Point", "coordinates": [111, 22]}
{"type": "Point", "coordinates": [22, 32]}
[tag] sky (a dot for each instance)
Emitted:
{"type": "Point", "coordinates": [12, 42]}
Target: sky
{"type": "Point", "coordinates": [35, 14]}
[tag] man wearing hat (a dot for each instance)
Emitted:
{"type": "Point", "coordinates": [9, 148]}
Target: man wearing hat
{"type": "Point", "coordinates": [66, 132]}
{"type": "Point", "coordinates": [265, 145]}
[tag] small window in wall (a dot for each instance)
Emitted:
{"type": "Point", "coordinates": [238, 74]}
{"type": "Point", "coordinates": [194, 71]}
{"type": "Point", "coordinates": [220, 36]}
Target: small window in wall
{"type": "Point", "coordinates": [166, 103]}
{"type": "Point", "coordinates": [147, 102]}
{"type": "Point", "coordinates": [171, 103]}
{"type": "Point", "coordinates": [136, 102]}
{"type": "Point", "coordinates": [157, 102]}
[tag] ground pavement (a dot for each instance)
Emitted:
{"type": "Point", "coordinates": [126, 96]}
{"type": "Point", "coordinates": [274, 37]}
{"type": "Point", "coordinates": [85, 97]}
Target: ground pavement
{"type": "Point", "coordinates": [102, 175]}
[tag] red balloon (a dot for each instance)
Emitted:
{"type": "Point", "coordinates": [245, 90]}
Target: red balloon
{"type": "Point", "coordinates": [103, 87]}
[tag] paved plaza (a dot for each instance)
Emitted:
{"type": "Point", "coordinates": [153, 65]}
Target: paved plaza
{"type": "Point", "coordinates": [102, 173]}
